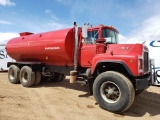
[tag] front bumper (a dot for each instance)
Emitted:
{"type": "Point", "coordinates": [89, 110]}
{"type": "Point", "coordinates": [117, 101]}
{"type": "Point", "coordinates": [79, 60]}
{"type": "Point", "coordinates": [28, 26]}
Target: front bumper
{"type": "Point", "coordinates": [143, 83]}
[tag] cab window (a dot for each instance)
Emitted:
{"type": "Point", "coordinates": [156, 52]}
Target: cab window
{"type": "Point", "coordinates": [92, 36]}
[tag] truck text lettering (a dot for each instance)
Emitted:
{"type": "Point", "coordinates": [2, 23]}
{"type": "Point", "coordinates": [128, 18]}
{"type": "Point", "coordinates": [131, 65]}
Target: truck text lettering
{"type": "Point", "coordinates": [3, 54]}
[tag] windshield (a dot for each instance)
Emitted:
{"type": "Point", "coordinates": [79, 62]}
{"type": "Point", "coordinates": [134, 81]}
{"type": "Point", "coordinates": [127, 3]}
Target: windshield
{"type": "Point", "coordinates": [110, 36]}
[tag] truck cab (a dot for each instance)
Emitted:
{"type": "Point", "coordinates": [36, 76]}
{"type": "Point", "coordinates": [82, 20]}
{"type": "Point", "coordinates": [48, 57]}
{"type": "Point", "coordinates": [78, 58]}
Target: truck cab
{"type": "Point", "coordinates": [95, 43]}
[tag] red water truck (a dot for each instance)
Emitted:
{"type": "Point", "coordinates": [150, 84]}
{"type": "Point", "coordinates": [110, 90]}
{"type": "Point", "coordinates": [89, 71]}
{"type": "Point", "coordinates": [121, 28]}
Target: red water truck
{"type": "Point", "coordinates": [116, 73]}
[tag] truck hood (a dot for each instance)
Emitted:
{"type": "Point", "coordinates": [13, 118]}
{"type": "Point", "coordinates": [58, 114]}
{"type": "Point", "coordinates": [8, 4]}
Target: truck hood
{"type": "Point", "coordinates": [122, 49]}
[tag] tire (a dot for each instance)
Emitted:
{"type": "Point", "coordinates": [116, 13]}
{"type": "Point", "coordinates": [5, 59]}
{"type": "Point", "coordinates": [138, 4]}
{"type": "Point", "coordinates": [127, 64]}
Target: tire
{"type": "Point", "coordinates": [113, 91]}
{"type": "Point", "coordinates": [58, 77]}
{"type": "Point", "coordinates": [27, 77]}
{"type": "Point", "coordinates": [13, 74]}
{"type": "Point", "coordinates": [38, 77]}
{"type": "Point", "coordinates": [137, 92]}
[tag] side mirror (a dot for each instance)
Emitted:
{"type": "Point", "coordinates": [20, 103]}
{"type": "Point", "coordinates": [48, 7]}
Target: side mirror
{"type": "Point", "coordinates": [84, 30]}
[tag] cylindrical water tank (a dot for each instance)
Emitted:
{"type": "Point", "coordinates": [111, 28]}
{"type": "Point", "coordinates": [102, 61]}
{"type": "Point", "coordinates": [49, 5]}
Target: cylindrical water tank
{"type": "Point", "coordinates": [52, 48]}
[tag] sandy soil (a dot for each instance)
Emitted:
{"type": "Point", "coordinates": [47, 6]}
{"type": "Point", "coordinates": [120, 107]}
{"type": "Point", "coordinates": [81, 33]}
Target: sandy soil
{"type": "Point", "coordinates": [64, 101]}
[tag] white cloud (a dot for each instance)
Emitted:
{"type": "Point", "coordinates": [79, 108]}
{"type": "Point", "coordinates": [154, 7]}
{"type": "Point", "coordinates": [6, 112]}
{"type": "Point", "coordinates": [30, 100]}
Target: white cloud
{"type": "Point", "coordinates": [148, 30]}
{"type": "Point", "coordinates": [56, 25]}
{"type": "Point", "coordinates": [65, 1]}
{"type": "Point", "coordinates": [4, 37]}
{"type": "Point", "coordinates": [5, 22]}
{"type": "Point", "coordinates": [7, 3]}
{"type": "Point", "coordinates": [122, 38]}
{"type": "Point", "coordinates": [49, 12]}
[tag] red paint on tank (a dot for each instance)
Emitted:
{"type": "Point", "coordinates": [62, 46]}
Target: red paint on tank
{"type": "Point", "coordinates": [52, 48]}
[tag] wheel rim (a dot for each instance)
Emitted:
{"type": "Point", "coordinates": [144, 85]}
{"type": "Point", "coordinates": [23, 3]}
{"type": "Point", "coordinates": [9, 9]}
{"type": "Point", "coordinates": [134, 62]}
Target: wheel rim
{"type": "Point", "coordinates": [25, 77]}
{"type": "Point", "coordinates": [110, 92]}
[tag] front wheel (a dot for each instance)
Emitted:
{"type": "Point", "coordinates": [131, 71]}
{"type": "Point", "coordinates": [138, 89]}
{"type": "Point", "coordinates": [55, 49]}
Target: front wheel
{"type": "Point", "coordinates": [113, 91]}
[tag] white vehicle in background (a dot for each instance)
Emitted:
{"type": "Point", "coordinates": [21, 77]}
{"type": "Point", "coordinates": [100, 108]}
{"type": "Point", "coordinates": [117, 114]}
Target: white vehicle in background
{"type": "Point", "coordinates": [154, 50]}
{"type": "Point", "coordinates": [4, 58]}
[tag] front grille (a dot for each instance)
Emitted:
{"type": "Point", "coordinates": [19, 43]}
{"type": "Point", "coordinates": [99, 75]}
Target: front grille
{"type": "Point", "coordinates": [146, 62]}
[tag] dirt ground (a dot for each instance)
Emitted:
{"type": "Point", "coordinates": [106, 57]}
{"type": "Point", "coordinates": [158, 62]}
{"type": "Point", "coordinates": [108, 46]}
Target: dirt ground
{"type": "Point", "coordinates": [64, 101]}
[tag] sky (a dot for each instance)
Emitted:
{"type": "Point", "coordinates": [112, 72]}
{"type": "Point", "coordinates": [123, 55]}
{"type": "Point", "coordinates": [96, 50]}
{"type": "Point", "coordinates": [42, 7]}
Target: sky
{"type": "Point", "coordinates": [136, 20]}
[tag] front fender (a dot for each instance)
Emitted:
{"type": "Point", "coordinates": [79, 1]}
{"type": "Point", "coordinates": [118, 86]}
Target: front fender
{"type": "Point", "coordinates": [130, 63]}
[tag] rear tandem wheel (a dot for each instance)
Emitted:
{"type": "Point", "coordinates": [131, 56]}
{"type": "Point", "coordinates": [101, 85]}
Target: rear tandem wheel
{"type": "Point", "coordinates": [13, 74]}
{"type": "Point", "coordinates": [27, 76]}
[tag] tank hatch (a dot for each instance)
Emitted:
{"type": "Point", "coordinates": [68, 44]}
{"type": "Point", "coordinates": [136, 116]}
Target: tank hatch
{"type": "Point", "coordinates": [25, 33]}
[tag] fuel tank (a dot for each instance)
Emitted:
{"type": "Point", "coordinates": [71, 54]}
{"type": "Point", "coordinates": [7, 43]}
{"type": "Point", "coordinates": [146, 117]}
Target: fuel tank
{"type": "Point", "coordinates": [51, 48]}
